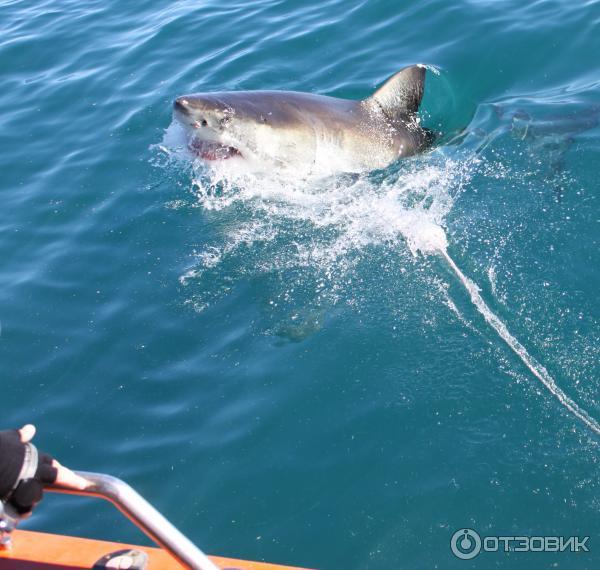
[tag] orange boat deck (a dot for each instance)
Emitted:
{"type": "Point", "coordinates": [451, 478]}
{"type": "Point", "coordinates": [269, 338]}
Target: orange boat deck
{"type": "Point", "coordinates": [41, 551]}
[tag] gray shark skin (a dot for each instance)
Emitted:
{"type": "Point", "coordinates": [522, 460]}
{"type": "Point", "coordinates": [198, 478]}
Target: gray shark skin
{"type": "Point", "coordinates": [287, 128]}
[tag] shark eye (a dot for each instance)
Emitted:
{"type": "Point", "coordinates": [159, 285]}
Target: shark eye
{"type": "Point", "coordinates": [204, 123]}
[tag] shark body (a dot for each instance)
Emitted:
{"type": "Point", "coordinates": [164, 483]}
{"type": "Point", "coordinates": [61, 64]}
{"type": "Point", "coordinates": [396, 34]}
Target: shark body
{"type": "Point", "coordinates": [287, 128]}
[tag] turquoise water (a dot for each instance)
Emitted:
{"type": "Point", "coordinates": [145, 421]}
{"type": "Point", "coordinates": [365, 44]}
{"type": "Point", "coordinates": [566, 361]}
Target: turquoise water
{"type": "Point", "coordinates": [275, 365]}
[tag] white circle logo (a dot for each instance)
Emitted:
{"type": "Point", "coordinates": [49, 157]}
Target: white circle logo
{"type": "Point", "coordinates": [465, 544]}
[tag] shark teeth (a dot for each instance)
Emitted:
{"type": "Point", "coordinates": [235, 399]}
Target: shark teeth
{"type": "Point", "coordinates": [212, 150]}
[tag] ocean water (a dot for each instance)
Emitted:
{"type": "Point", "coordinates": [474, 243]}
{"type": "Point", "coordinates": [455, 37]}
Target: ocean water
{"type": "Point", "coordinates": [304, 372]}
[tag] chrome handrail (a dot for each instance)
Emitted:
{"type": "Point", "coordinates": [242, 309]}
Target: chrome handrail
{"type": "Point", "coordinates": [143, 515]}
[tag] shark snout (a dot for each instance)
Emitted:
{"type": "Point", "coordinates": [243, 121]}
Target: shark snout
{"type": "Point", "coordinates": [189, 112]}
{"type": "Point", "coordinates": [182, 105]}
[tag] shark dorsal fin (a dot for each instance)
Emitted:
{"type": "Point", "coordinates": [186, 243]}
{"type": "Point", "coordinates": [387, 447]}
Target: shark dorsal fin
{"type": "Point", "coordinates": [401, 94]}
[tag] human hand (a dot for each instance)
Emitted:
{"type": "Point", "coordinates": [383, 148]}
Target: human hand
{"type": "Point", "coordinates": [24, 472]}
{"type": "Point", "coordinates": [64, 476]}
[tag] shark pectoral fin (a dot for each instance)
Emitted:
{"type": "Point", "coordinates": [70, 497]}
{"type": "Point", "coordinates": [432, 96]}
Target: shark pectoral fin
{"type": "Point", "coordinates": [401, 94]}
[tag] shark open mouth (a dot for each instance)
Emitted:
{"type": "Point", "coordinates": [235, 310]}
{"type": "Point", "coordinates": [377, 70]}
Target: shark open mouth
{"type": "Point", "coordinates": [212, 150]}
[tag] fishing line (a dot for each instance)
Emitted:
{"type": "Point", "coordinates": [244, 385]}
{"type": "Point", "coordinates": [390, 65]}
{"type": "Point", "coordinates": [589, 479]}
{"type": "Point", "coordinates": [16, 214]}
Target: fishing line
{"type": "Point", "coordinates": [435, 242]}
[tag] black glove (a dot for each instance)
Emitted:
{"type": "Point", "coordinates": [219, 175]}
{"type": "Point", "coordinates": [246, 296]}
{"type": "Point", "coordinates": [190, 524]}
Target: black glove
{"type": "Point", "coordinates": [21, 481]}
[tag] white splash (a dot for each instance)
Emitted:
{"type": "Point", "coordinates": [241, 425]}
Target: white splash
{"type": "Point", "coordinates": [326, 219]}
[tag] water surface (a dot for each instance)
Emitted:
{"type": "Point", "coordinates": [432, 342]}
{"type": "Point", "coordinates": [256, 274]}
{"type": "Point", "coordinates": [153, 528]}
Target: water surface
{"type": "Point", "coordinates": [274, 365]}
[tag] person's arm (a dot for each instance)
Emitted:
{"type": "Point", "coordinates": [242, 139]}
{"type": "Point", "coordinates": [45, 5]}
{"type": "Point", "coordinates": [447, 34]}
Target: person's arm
{"type": "Point", "coordinates": [24, 471]}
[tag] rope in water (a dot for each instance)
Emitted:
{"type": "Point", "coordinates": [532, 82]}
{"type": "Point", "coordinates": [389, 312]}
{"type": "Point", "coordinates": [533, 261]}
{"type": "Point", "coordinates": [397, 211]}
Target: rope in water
{"type": "Point", "coordinates": [536, 368]}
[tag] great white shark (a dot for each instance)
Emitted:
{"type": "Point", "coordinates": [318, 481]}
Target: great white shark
{"type": "Point", "coordinates": [288, 128]}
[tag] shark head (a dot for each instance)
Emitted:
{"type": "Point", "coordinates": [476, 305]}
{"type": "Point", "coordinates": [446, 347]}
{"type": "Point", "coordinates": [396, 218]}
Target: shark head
{"type": "Point", "coordinates": [262, 127]}
{"type": "Point", "coordinates": [213, 126]}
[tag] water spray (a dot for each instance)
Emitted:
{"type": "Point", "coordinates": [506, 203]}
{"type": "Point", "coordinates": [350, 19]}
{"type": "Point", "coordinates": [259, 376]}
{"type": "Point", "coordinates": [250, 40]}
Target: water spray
{"type": "Point", "coordinates": [360, 214]}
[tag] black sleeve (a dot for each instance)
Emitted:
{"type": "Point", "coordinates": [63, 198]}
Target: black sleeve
{"type": "Point", "coordinates": [24, 495]}
{"type": "Point", "coordinates": [12, 455]}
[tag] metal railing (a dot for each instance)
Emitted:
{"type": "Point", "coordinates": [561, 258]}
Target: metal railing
{"type": "Point", "coordinates": [144, 516]}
